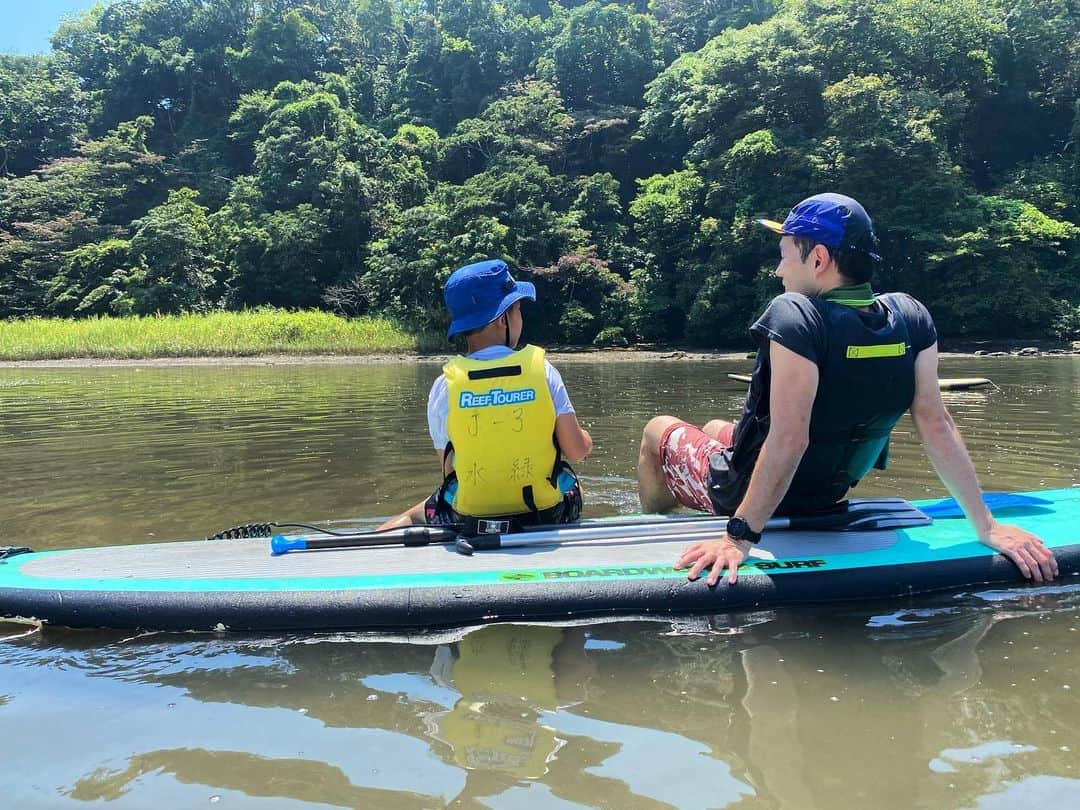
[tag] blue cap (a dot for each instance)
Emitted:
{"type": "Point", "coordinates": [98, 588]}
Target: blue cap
{"type": "Point", "coordinates": [830, 219]}
{"type": "Point", "coordinates": [477, 294]}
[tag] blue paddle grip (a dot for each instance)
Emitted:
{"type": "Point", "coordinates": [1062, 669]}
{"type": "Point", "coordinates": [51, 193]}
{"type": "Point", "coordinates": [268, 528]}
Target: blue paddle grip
{"type": "Point", "coordinates": [280, 544]}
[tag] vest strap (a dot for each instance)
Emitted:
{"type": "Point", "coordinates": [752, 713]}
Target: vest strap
{"type": "Point", "coordinates": [492, 373]}
{"type": "Point", "coordinates": [530, 501]}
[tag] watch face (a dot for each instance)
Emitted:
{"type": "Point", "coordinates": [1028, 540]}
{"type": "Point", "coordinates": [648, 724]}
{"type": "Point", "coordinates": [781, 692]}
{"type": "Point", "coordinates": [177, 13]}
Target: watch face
{"type": "Point", "coordinates": [739, 529]}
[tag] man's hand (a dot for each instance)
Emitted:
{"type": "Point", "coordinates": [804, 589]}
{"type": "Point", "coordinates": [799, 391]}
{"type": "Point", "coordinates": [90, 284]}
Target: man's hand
{"type": "Point", "coordinates": [1030, 554]}
{"type": "Point", "coordinates": [719, 554]}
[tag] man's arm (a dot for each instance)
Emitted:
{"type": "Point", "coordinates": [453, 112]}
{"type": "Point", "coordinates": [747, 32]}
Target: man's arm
{"type": "Point", "coordinates": [791, 400]}
{"type": "Point", "coordinates": [950, 458]}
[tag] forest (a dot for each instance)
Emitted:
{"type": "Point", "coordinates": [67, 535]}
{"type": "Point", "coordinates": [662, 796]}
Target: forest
{"type": "Point", "coordinates": [192, 156]}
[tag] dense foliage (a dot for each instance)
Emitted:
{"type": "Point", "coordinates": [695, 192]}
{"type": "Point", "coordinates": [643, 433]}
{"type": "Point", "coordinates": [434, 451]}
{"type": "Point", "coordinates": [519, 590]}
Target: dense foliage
{"type": "Point", "coordinates": [190, 155]}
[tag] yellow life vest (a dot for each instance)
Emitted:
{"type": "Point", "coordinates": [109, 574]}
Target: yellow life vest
{"type": "Point", "coordinates": [501, 424]}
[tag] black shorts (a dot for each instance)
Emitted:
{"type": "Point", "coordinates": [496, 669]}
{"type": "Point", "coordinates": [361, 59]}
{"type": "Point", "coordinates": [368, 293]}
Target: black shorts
{"type": "Point", "coordinates": [438, 511]}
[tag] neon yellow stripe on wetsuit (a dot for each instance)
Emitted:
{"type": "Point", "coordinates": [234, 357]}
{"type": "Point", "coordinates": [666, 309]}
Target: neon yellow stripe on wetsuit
{"type": "Point", "coordinates": [501, 423]}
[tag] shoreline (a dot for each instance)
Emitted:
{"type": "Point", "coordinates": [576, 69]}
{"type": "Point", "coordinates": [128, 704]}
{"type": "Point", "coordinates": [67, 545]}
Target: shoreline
{"type": "Point", "coordinates": [560, 355]}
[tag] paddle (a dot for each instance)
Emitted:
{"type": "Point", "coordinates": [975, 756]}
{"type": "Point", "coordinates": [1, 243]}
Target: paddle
{"type": "Point", "coordinates": [861, 515]}
{"type": "Point", "coordinates": [946, 384]}
{"type": "Point", "coordinates": [538, 535]}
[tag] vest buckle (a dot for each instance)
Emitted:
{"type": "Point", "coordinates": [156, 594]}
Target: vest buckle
{"type": "Point", "coordinates": [484, 526]}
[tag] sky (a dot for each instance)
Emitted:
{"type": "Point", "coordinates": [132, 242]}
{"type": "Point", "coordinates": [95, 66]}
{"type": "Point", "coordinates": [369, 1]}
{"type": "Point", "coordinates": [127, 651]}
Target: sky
{"type": "Point", "coordinates": [28, 24]}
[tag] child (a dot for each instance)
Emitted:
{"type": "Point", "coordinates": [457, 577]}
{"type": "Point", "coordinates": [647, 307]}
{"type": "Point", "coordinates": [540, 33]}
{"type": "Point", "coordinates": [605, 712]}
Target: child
{"type": "Point", "coordinates": [500, 418]}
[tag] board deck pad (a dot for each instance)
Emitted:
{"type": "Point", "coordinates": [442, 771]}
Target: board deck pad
{"type": "Point", "coordinates": [238, 584]}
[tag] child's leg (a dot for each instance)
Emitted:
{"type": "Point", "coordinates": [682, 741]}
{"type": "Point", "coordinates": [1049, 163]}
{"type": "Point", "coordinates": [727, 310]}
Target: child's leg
{"type": "Point", "coordinates": [412, 516]}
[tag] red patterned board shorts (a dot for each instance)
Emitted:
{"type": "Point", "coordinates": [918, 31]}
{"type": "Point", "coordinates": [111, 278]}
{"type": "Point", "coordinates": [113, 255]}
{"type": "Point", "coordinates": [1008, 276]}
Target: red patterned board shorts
{"type": "Point", "coordinates": [684, 457]}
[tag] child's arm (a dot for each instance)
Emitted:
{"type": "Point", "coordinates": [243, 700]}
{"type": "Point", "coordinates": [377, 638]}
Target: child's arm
{"type": "Point", "coordinates": [574, 441]}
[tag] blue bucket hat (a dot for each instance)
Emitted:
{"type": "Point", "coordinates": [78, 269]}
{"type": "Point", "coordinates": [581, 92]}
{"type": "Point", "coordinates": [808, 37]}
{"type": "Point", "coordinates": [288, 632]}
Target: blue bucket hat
{"type": "Point", "coordinates": [834, 220]}
{"type": "Point", "coordinates": [477, 294]}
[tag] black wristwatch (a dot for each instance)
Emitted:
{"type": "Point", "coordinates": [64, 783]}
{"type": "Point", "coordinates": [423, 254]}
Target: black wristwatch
{"type": "Point", "coordinates": [739, 529]}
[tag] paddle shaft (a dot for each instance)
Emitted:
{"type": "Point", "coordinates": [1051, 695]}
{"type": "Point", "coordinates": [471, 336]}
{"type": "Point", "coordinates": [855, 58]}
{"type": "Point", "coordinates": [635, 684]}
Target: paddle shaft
{"type": "Point", "coordinates": [690, 529]}
{"type": "Point", "coordinates": [687, 528]}
{"type": "Point", "coordinates": [702, 530]}
{"type": "Point", "coordinates": [426, 535]}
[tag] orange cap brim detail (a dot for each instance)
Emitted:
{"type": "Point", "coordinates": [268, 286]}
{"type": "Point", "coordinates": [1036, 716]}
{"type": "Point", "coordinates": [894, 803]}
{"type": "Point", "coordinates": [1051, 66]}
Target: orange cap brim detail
{"type": "Point", "coordinates": [772, 225]}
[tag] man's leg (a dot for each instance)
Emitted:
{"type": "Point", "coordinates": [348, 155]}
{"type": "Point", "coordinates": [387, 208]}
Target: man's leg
{"type": "Point", "coordinates": [720, 430]}
{"type": "Point", "coordinates": [653, 491]}
{"type": "Point", "coordinates": [674, 464]}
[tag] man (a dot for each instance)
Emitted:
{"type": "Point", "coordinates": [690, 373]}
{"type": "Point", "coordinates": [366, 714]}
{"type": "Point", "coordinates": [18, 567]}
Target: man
{"type": "Point", "coordinates": [836, 368]}
{"type": "Point", "coordinates": [499, 417]}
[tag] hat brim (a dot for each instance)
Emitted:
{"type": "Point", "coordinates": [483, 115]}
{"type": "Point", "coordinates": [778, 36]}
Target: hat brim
{"type": "Point", "coordinates": [522, 289]}
{"type": "Point", "coordinates": [774, 226]}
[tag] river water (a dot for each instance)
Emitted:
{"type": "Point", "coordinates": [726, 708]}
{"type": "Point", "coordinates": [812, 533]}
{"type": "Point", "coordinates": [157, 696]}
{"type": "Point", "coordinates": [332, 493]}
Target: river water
{"type": "Point", "coordinates": [957, 700]}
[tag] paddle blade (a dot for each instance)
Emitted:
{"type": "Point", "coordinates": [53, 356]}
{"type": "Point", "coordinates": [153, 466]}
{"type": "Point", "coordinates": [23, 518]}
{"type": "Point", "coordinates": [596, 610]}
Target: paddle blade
{"type": "Point", "coordinates": [949, 508]}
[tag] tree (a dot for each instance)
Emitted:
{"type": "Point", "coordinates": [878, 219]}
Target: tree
{"type": "Point", "coordinates": [279, 259]}
{"type": "Point", "coordinates": [577, 297]}
{"type": "Point", "coordinates": [167, 59]}
{"type": "Point", "coordinates": [92, 280]}
{"type": "Point", "coordinates": [686, 25]}
{"type": "Point", "coordinates": [515, 210]}
{"type": "Point", "coordinates": [42, 113]}
{"type": "Point", "coordinates": [667, 216]}
{"type": "Point", "coordinates": [599, 211]}
{"type": "Point", "coordinates": [745, 80]}
{"type": "Point", "coordinates": [604, 56]}
{"type": "Point", "coordinates": [993, 277]}
{"type": "Point", "coordinates": [528, 120]}
{"type": "Point", "coordinates": [68, 203]}
{"type": "Point", "coordinates": [283, 45]}
{"type": "Point", "coordinates": [178, 268]}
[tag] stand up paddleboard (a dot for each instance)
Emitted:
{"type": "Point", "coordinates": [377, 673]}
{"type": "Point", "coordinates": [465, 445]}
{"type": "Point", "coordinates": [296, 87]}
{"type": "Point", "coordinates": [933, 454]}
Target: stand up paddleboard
{"type": "Point", "coordinates": [619, 568]}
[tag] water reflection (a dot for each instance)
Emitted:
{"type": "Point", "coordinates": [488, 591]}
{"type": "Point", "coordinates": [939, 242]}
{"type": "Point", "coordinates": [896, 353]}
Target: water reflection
{"type": "Point", "coordinates": [238, 775]}
{"type": "Point", "coordinates": [946, 702]}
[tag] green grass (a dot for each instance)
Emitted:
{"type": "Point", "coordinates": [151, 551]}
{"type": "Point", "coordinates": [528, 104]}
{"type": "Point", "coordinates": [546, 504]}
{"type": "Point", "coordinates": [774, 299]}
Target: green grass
{"type": "Point", "coordinates": [220, 334]}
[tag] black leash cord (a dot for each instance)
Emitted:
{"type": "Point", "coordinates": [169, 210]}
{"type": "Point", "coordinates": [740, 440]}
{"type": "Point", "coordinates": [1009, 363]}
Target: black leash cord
{"type": "Point", "coordinates": [268, 529]}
